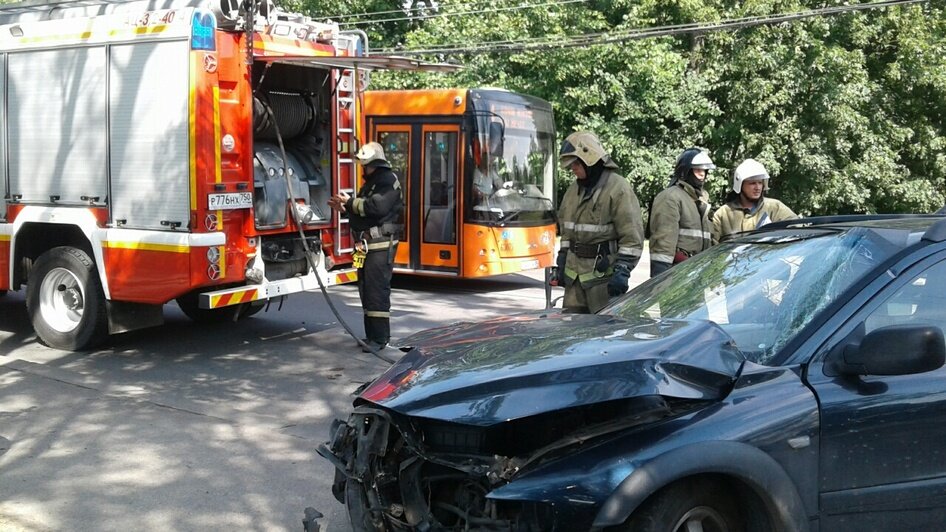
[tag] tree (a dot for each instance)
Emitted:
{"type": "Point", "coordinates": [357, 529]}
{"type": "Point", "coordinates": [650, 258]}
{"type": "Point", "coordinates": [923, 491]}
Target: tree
{"type": "Point", "coordinates": [845, 111]}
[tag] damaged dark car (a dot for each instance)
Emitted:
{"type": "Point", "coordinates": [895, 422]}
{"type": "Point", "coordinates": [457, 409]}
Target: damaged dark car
{"type": "Point", "coordinates": [789, 379]}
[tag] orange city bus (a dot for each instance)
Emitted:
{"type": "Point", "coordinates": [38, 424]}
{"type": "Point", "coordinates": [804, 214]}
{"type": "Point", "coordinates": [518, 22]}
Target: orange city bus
{"type": "Point", "coordinates": [476, 167]}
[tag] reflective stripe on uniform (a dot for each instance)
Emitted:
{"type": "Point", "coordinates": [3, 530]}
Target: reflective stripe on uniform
{"type": "Point", "coordinates": [587, 276]}
{"type": "Point", "coordinates": [695, 232]}
{"type": "Point", "coordinates": [634, 252]}
{"type": "Point", "coordinates": [377, 314]}
{"type": "Point", "coordinates": [592, 275]}
{"type": "Point", "coordinates": [588, 228]}
{"type": "Point", "coordinates": [659, 257]}
{"type": "Point", "coordinates": [358, 205]}
{"type": "Point", "coordinates": [381, 245]}
{"type": "Point", "coordinates": [564, 244]}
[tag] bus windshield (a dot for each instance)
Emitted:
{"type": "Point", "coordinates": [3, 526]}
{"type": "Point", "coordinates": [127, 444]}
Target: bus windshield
{"type": "Point", "coordinates": [513, 164]}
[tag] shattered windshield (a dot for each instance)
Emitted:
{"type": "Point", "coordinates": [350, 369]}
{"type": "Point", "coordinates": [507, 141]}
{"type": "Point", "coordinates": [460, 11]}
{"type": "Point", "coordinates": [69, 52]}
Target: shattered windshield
{"type": "Point", "coordinates": [762, 293]}
{"type": "Point", "coordinates": [513, 155]}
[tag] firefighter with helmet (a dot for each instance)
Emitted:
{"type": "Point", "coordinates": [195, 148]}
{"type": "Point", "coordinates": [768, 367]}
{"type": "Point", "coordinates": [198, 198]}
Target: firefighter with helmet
{"type": "Point", "coordinates": [746, 206]}
{"type": "Point", "coordinates": [600, 226]}
{"type": "Point", "coordinates": [373, 215]}
{"type": "Point", "coordinates": [679, 218]}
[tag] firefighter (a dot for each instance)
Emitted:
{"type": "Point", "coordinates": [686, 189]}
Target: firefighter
{"type": "Point", "coordinates": [679, 218]}
{"type": "Point", "coordinates": [373, 216]}
{"type": "Point", "coordinates": [600, 224]}
{"type": "Point", "coordinates": [746, 206]}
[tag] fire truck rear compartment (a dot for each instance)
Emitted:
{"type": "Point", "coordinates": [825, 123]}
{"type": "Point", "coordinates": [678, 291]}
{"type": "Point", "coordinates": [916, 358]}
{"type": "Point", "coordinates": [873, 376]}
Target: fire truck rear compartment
{"type": "Point", "coordinates": [291, 133]}
{"type": "Point", "coordinates": [291, 104]}
{"type": "Point", "coordinates": [284, 257]}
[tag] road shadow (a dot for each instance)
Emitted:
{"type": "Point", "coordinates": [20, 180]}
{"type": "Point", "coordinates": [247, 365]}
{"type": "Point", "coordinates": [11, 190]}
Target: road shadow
{"type": "Point", "coordinates": [499, 283]}
{"type": "Point", "coordinates": [190, 426]}
{"type": "Point", "coordinates": [15, 323]}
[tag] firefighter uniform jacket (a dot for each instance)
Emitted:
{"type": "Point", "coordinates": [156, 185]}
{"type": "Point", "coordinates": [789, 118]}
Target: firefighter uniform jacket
{"type": "Point", "coordinates": [679, 224]}
{"type": "Point", "coordinates": [377, 206]}
{"type": "Point", "coordinates": [609, 217]}
{"type": "Point", "coordinates": [734, 218]}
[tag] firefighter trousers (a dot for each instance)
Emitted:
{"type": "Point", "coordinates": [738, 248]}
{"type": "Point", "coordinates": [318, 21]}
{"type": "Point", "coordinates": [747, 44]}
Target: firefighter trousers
{"type": "Point", "coordinates": [374, 289]}
{"type": "Point", "coordinates": [584, 299]}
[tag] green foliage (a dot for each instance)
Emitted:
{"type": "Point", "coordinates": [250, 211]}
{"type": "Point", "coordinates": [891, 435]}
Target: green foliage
{"type": "Point", "coordinates": [844, 111]}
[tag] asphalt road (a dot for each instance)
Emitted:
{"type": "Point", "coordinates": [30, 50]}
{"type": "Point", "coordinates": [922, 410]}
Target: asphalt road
{"type": "Point", "coordinates": [197, 427]}
{"type": "Point", "coordinates": [203, 427]}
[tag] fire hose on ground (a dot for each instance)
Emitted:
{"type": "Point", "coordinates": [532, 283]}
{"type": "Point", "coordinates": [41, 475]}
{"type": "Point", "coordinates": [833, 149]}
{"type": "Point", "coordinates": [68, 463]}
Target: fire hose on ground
{"type": "Point", "coordinates": [308, 252]}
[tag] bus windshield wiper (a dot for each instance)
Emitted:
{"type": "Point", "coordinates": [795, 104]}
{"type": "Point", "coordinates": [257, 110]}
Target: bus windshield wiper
{"type": "Point", "coordinates": [505, 217]}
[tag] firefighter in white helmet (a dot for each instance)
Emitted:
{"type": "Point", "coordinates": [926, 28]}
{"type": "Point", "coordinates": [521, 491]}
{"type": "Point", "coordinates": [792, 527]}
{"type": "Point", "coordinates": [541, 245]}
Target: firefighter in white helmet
{"type": "Point", "coordinates": [746, 206]}
{"type": "Point", "coordinates": [679, 217]}
{"type": "Point", "coordinates": [600, 225]}
{"type": "Point", "coordinates": [374, 215]}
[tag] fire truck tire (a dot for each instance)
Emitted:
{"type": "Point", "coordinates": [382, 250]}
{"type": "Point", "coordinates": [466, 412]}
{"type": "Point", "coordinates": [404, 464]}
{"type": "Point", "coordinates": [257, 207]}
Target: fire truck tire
{"type": "Point", "coordinates": [65, 301]}
{"type": "Point", "coordinates": [249, 310]}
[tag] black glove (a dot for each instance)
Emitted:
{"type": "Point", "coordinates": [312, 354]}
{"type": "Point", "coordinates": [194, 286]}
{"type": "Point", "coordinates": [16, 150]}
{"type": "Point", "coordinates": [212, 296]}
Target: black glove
{"type": "Point", "coordinates": [560, 267]}
{"type": "Point", "coordinates": [657, 267]}
{"type": "Point", "coordinates": [618, 283]}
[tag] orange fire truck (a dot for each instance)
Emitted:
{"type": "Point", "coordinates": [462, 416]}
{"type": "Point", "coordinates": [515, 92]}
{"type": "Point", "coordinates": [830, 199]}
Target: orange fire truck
{"type": "Point", "coordinates": [183, 153]}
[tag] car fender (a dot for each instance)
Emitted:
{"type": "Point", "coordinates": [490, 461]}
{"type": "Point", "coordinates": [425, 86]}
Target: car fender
{"type": "Point", "coordinates": [747, 463]}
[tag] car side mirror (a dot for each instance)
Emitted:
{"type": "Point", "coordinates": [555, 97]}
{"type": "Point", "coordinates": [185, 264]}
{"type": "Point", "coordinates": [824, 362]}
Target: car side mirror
{"type": "Point", "coordinates": [893, 350]}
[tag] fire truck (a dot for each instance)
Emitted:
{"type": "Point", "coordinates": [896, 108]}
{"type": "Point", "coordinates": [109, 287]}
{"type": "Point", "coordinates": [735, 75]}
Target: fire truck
{"type": "Point", "coordinates": [177, 150]}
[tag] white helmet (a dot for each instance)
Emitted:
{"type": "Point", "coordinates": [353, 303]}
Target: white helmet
{"type": "Point", "coordinates": [583, 145]}
{"type": "Point", "coordinates": [372, 154]}
{"type": "Point", "coordinates": [748, 170]}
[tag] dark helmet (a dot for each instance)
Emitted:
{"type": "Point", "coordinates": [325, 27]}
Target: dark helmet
{"type": "Point", "coordinates": [688, 160]}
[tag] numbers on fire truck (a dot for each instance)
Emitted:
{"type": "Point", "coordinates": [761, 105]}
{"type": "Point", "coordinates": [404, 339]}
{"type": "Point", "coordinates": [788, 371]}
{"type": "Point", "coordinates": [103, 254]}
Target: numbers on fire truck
{"type": "Point", "coordinates": [155, 18]}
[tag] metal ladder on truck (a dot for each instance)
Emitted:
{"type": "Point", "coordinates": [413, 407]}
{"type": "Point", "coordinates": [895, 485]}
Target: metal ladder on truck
{"type": "Point", "coordinates": [346, 95]}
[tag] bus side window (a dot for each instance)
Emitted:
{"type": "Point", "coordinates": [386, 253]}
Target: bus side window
{"type": "Point", "coordinates": [440, 176]}
{"type": "Point", "coordinates": [440, 227]}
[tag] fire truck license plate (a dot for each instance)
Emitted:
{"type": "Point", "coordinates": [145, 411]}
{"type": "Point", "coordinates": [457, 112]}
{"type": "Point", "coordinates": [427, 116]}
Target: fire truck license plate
{"type": "Point", "coordinates": [230, 200]}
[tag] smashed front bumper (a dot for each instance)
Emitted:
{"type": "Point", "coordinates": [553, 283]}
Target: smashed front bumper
{"type": "Point", "coordinates": [389, 479]}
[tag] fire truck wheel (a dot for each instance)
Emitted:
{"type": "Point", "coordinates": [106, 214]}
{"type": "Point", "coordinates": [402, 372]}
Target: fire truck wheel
{"type": "Point", "coordinates": [249, 310]}
{"type": "Point", "coordinates": [65, 301]}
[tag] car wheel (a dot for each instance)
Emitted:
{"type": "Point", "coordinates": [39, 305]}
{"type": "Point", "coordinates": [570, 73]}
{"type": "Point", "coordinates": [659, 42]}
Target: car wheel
{"type": "Point", "coordinates": [688, 506]}
{"type": "Point", "coordinates": [65, 301]}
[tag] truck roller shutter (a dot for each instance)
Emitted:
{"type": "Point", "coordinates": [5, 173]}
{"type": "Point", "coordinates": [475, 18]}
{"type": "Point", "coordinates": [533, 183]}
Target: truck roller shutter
{"type": "Point", "coordinates": [148, 106]}
{"type": "Point", "coordinates": [4, 182]}
{"type": "Point", "coordinates": [56, 125]}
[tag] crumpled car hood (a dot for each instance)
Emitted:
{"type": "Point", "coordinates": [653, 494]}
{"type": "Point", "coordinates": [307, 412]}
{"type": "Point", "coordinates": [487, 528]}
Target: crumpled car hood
{"type": "Point", "coordinates": [507, 368]}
